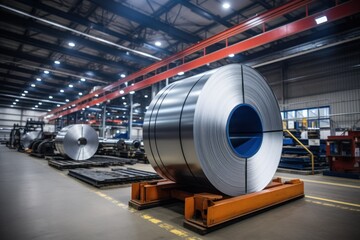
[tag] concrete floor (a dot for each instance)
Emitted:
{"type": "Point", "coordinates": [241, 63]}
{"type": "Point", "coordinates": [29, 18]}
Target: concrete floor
{"type": "Point", "coordinates": [40, 202]}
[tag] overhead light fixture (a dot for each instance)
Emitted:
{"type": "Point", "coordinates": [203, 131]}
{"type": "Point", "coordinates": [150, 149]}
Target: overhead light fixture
{"type": "Point", "coordinates": [121, 91]}
{"type": "Point", "coordinates": [33, 85]}
{"type": "Point", "coordinates": [48, 110]}
{"type": "Point", "coordinates": [36, 106]}
{"type": "Point", "coordinates": [38, 79]}
{"type": "Point", "coordinates": [16, 100]}
{"type": "Point", "coordinates": [33, 108]}
{"type": "Point", "coordinates": [83, 110]}
{"type": "Point", "coordinates": [124, 103]}
{"type": "Point", "coordinates": [132, 92]}
{"type": "Point", "coordinates": [23, 94]}
{"type": "Point", "coordinates": [51, 97]}
{"type": "Point", "coordinates": [158, 43]}
{"type": "Point", "coordinates": [123, 98]}
{"type": "Point", "coordinates": [57, 62]}
{"type": "Point", "coordinates": [58, 105]}
{"type": "Point", "coordinates": [96, 95]}
{"type": "Point", "coordinates": [146, 96]}
{"type": "Point", "coordinates": [122, 75]}
{"type": "Point", "coordinates": [231, 55]}
{"type": "Point", "coordinates": [226, 5]}
{"type": "Point", "coordinates": [71, 44]}
{"type": "Point", "coordinates": [321, 19]}
{"type": "Point", "coordinates": [73, 105]}
{"type": "Point", "coordinates": [97, 104]}
{"type": "Point", "coordinates": [61, 90]}
{"type": "Point", "coordinates": [70, 85]}
{"type": "Point", "coordinates": [80, 93]}
{"type": "Point", "coordinates": [147, 107]}
{"type": "Point", "coordinates": [26, 91]}
{"type": "Point", "coordinates": [40, 103]}
{"type": "Point", "coordinates": [46, 72]}
{"type": "Point", "coordinates": [67, 100]}
{"type": "Point", "coordinates": [180, 73]}
{"type": "Point", "coordinates": [14, 103]}
{"type": "Point", "coordinates": [82, 79]}
{"type": "Point", "coordinates": [87, 106]}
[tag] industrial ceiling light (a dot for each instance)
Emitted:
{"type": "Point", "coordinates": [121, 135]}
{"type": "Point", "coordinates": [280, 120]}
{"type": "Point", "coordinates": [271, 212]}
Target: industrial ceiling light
{"type": "Point", "coordinates": [40, 103]}
{"type": "Point", "coordinates": [23, 94]}
{"type": "Point", "coordinates": [16, 100]}
{"type": "Point", "coordinates": [61, 90]}
{"type": "Point", "coordinates": [123, 98]}
{"type": "Point", "coordinates": [146, 96]}
{"type": "Point", "coordinates": [46, 72]}
{"type": "Point", "coordinates": [80, 93]}
{"type": "Point", "coordinates": [122, 75]}
{"type": "Point", "coordinates": [226, 5]}
{"type": "Point", "coordinates": [87, 106]}
{"type": "Point", "coordinates": [231, 55]}
{"type": "Point", "coordinates": [70, 85]}
{"type": "Point", "coordinates": [82, 79]}
{"type": "Point", "coordinates": [124, 103]}
{"type": "Point", "coordinates": [25, 91]}
{"type": "Point", "coordinates": [36, 106]}
{"type": "Point", "coordinates": [33, 85]}
{"type": "Point", "coordinates": [38, 79]}
{"type": "Point", "coordinates": [11, 105]}
{"type": "Point", "coordinates": [180, 73]}
{"type": "Point", "coordinates": [51, 97]}
{"type": "Point", "coordinates": [33, 108]}
{"type": "Point", "coordinates": [96, 95]}
{"type": "Point", "coordinates": [48, 110]}
{"type": "Point", "coordinates": [73, 105]}
{"type": "Point", "coordinates": [71, 44]}
{"type": "Point", "coordinates": [14, 103]}
{"type": "Point", "coordinates": [57, 62]}
{"type": "Point", "coordinates": [67, 100]}
{"type": "Point", "coordinates": [83, 110]}
{"type": "Point", "coordinates": [97, 104]}
{"type": "Point", "coordinates": [132, 92]}
{"type": "Point", "coordinates": [58, 105]}
{"type": "Point", "coordinates": [321, 19]}
{"type": "Point", "coordinates": [158, 43]}
{"type": "Point", "coordinates": [121, 91]}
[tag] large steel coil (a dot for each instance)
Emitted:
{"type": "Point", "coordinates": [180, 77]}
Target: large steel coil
{"type": "Point", "coordinates": [78, 141]}
{"type": "Point", "coordinates": [221, 129]}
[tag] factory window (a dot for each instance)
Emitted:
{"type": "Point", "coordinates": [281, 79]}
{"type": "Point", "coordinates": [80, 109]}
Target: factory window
{"type": "Point", "coordinates": [302, 119]}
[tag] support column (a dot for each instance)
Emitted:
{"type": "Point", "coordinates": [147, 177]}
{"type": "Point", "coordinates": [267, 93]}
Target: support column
{"type": "Point", "coordinates": [104, 121]}
{"type": "Point", "coordinates": [130, 116]}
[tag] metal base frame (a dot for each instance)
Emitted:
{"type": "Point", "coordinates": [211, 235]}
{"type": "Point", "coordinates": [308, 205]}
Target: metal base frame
{"type": "Point", "coordinates": [205, 212]}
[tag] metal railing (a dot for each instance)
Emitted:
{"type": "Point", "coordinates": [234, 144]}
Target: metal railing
{"type": "Point", "coordinates": [302, 145]}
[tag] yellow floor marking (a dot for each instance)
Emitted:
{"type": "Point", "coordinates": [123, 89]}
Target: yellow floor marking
{"type": "Point", "coordinates": [322, 182]}
{"type": "Point", "coordinates": [170, 228]}
{"type": "Point", "coordinates": [333, 201]}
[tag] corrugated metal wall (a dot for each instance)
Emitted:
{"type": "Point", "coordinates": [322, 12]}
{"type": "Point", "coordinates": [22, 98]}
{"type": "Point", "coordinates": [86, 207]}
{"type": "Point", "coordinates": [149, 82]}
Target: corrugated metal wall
{"type": "Point", "coordinates": [9, 116]}
{"type": "Point", "coordinates": [329, 77]}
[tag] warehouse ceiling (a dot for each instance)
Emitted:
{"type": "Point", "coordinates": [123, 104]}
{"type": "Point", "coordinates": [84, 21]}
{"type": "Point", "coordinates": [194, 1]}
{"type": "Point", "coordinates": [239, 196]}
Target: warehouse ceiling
{"type": "Point", "coordinates": [53, 52]}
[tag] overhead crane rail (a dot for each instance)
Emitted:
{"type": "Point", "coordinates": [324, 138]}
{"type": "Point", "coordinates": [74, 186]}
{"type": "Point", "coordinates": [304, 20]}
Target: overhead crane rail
{"type": "Point", "coordinates": [161, 70]}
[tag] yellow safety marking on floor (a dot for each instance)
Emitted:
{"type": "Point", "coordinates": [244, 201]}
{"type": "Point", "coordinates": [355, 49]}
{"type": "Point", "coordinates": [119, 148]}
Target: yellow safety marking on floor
{"type": "Point", "coordinates": [326, 183]}
{"type": "Point", "coordinates": [168, 227]}
{"type": "Point", "coordinates": [332, 205]}
{"type": "Point", "coordinates": [333, 201]}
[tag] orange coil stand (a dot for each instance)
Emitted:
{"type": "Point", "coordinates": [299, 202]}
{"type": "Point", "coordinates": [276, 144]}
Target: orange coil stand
{"type": "Point", "coordinates": [205, 211]}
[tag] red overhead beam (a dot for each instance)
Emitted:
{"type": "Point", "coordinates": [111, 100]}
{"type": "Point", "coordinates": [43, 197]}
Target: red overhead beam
{"type": "Point", "coordinates": [340, 11]}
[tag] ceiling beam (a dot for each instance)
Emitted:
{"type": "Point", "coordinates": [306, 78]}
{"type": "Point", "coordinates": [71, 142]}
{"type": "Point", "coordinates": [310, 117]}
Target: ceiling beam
{"type": "Point", "coordinates": [145, 20]}
{"type": "Point", "coordinates": [306, 23]}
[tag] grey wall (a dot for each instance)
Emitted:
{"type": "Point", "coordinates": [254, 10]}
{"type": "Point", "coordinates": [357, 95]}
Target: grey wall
{"type": "Point", "coordinates": [9, 116]}
{"type": "Point", "coordinates": [329, 77]}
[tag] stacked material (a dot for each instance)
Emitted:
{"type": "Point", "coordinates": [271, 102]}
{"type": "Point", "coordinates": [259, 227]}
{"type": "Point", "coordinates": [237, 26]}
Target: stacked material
{"type": "Point", "coordinates": [78, 142]}
{"type": "Point", "coordinates": [221, 129]}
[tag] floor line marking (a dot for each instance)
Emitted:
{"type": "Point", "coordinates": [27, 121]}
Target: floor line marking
{"type": "Point", "coordinates": [322, 182]}
{"type": "Point", "coordinates": [333, 201]}
{"type": "Point", "coordinates": [168, 227]}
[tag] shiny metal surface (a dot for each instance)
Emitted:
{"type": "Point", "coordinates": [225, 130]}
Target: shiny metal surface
{"type": "Point", "coordinates": [29, 137]}
{"type": "Point", "coordinates": [78, 141]}
{"type": "Point", "coordinates": [186, 131]}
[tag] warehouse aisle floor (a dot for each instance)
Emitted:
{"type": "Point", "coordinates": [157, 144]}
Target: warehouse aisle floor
{"type": "Point", "coordinates": [39, 202]}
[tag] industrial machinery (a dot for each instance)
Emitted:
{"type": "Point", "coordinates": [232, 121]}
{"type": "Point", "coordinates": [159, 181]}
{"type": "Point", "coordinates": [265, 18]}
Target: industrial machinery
{"type": "Point", "coordinates": [219, 132]}
{"type": "Point", "coordinates": [121, 148]}
{"type": "Point", "coordinates": [33, 130]}
{"type": "Point", "coordinates": [343, 154]}
{"type": "Point", "coordinates": [15, 134]}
